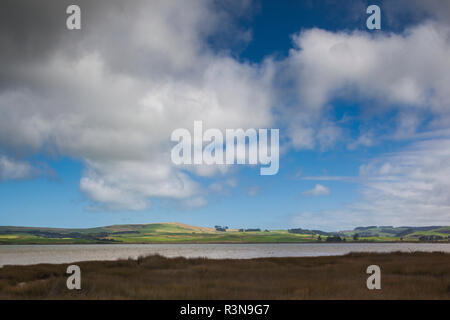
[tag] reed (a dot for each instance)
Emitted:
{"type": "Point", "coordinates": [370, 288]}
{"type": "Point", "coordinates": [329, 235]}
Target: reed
{"type": "Point", "coordinates": [404, 276]}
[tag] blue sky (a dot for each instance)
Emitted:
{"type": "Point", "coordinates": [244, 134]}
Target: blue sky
{"type": "Point", "coordinates": [363, 115]}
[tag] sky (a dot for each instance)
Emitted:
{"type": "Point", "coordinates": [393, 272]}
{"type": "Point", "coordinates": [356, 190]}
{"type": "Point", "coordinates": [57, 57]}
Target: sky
{"type": "Point", "coordinates": [86, 115]}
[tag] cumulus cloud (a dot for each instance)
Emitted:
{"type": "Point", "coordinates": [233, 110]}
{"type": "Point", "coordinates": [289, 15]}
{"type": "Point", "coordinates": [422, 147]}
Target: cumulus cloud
{"type": "Point", "coordinates": [409, 71]}
{"type": "Point", "coordinates": [129, 184]}
{"type": "Point", "coordinates": [404, 72]}
{"type": "Point", "coordinates": [15, 170]}
{"type": "Point", "coordinates": [111, 94]}
{"type": "Point", "coordinates": [113, 104]}
{"type": "Point", "coordinates": [410, 187]}
{"type": "Point", "coordinates": [406, 188]}
{"type": "Point", "coordinates": [318, 190]}
{"type": "Point", "coordinates": [381, 67]}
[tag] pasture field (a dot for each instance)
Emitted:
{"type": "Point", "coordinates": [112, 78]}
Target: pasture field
{"type": "Point", "coordinates": [182, 233]}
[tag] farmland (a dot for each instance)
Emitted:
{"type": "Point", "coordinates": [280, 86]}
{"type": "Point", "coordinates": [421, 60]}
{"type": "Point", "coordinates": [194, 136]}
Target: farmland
{"type": "Point", "coordinates": [182, 233]}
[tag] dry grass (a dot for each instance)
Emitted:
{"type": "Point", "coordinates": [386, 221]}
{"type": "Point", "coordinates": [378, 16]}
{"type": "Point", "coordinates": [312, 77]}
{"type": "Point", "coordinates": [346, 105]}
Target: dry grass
{"type": "Point", "coordinates": [404, 276]}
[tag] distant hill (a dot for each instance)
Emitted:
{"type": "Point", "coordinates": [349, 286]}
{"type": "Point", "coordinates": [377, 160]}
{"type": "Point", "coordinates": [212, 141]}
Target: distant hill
{"type": "Point", "coordinates": [183, 233]}
{"type": "Point", "coordinates": [404, 233]}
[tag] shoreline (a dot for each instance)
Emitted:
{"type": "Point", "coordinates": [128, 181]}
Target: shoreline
{"type": "Point", "coordinates": [61, 253]}
{"type": "Point", "coordinates": [200, 243]}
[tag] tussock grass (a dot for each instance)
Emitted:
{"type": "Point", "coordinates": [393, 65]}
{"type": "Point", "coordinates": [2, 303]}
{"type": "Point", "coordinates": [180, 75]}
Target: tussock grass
{"type": "Point", "coordinates": [404, 276]}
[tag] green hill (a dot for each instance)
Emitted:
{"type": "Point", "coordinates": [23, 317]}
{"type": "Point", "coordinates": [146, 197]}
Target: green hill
{"type": "Point", "coordinates": [182, 233]}
{"type": "Point", "coordinates": [388, 233]}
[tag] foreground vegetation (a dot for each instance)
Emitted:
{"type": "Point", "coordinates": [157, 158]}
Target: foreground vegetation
{"type": "Point", "coordinates": [403, 276]}
{"type": "Point", "coordinates": [181, 233]}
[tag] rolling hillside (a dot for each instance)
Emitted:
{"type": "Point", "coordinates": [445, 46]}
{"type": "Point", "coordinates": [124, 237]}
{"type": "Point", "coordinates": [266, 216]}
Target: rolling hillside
{"type": "Point", "coordinates": [182, 233]}
{"type": "Point", "coordinates": [389, 233]}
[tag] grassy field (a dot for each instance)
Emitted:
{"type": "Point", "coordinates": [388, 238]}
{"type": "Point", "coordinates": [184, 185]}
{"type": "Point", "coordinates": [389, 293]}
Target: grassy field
{"type": "Point", "coordinates": [149, 233]}
{"type": "Point", "coordinates": [403, 276]}
{"type": "Point", "coordinates": [181, 233]}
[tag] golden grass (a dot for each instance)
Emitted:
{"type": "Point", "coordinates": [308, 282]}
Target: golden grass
{"type": "Point", "coordinates": [404, 276]}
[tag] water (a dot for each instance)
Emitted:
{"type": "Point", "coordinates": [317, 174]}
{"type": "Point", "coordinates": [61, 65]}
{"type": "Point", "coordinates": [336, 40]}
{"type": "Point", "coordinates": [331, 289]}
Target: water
{"type": "Point", "coordinates": [33, 254]}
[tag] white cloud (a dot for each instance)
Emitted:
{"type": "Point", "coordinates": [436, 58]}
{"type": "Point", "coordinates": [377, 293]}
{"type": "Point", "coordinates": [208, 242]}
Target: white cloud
{"type": "Point", "coordinates": [383, 67]}
{"type": "Point", "coordinates": [115, 105]}
{"type": "Point", "coordinates": [318, 190]}
{"type": "Point", "coordinates": [365, 140]}
{"type": "Point", "coordinates": [409, 71]}
{"type": "Point", "coordinates": [129, 184]}
{"type": "Point", "coordinates": [409, 188]}
{"type": "Point", "coordinates": [15, 170]}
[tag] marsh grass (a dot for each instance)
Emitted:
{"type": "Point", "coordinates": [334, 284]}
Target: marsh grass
{"type": "Point", "coordinates": [404, 276]}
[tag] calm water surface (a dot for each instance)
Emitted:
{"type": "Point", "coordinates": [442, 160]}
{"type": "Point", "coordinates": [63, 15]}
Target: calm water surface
{"type": "Point", "coordinates": [33, 254]}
